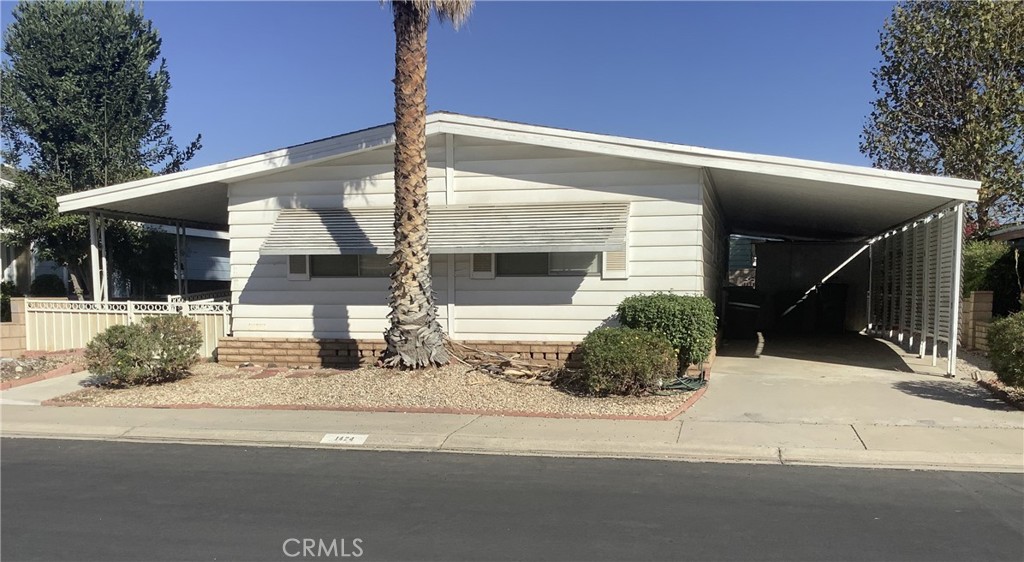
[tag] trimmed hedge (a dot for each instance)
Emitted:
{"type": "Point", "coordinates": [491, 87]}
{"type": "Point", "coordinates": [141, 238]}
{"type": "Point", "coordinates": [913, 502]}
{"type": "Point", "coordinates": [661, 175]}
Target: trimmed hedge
{"type": "Point", "coordinates": [1006, 349]}
{"type": "Point", "coordinates": [688, 322]}
{"type": "Point", "coordinates": [158, 349]}
{"type": "Point", "coordinates": [625, 361]}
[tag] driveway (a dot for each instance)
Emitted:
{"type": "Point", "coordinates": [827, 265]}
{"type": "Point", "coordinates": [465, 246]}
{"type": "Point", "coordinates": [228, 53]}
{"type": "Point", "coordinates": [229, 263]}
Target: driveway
{"type": "Point", "coordinates": [848, 392]}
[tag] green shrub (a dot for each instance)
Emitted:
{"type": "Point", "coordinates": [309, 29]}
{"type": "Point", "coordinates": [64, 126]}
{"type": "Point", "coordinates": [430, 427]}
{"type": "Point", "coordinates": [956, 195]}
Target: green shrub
{"type": "Point", "coordinates": [688, 322]}
{"type": "Point", "coordinates": [1006, 349]}
{"type": "Point", "coordinates": [990, 265]}
{"type": "Point", "coordinates": [159, 349]}
{"type": "Point", "coordinates": [177, 340]}
{"type": "Point", "coordinates": [48, 285]}
{"type": "Point", "coordinates": [7, 290]}
{"type": "Point", "coordinates": [121, 355]}
{"type": "Point", "coordinates": [625, 361]}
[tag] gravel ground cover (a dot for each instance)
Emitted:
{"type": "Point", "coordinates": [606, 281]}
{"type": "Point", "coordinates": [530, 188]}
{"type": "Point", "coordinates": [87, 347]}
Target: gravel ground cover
{"type": "Point", "coordinates": [451, 387]}
{"type": "Point", "coordinates": [14, 369]}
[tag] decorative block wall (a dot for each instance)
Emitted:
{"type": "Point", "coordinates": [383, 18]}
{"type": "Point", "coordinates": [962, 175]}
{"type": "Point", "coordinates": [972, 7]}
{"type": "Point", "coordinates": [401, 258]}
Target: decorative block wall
{"type": "Point", "coordinates": [296, 352]}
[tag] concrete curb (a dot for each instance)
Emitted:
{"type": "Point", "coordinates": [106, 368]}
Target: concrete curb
{"type": "Point", "coordinates": [499, 446]}
{"type": "Point", "coordinates": [61, 371]}
{"type": "Point", "coordinates": [1000, 394]}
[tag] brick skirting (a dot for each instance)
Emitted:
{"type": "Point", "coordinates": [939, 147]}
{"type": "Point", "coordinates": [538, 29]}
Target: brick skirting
{"type": "Point", "coordinates": [297, 352]}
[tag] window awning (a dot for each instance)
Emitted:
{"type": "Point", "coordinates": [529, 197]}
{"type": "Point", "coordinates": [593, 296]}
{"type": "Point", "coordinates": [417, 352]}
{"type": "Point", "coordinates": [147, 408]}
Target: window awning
{"type": "Point", "coordinates": [455, 229]}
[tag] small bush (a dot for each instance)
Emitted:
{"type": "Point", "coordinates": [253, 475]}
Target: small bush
{"type": "Point", "coordinates": [121, 355]}
{"type": "Point", "coordinates": [625, 361]}
{"type": "Point", "coordinates": [1006, 349]}
{"type": "Point", "coordinates": [48, 285]}
{"type": "Point", "coordinates": [159, 349]}
{"type": "Point", "coordinates": [688, 322]}
{"type": "Point", "coordinates": [177, 340]}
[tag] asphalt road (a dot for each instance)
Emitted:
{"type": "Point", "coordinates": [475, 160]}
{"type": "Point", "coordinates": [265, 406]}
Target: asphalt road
{"type": "Point", "coordinates": [88, 500]}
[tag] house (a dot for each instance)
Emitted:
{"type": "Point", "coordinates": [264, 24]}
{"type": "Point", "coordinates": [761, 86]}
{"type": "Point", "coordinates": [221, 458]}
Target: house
{"type": "Point", "coordinates": [538, 233]}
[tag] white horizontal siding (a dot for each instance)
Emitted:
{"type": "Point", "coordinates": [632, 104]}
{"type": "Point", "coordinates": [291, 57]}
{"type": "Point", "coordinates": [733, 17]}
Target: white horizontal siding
{"type": "Point", "coordinates": [665, 242]}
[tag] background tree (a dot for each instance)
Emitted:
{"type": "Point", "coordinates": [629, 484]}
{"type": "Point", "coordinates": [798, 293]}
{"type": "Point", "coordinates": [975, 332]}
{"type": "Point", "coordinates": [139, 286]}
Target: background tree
{"type": "Point", "coordinates": [84, 93]}
{"type": "Point", "coordinates": [951, 100]}
{"type": "Point", "coordinates": [415, 339]}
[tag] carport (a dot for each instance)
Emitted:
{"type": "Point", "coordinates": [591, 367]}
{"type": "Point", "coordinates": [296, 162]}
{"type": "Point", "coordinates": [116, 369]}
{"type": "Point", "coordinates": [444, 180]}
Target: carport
{"type": "Point", "coordinates": [887, 243]}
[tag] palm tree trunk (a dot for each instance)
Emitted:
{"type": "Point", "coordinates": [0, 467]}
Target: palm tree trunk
{"type": "Point", "coordinates": [414, 339]}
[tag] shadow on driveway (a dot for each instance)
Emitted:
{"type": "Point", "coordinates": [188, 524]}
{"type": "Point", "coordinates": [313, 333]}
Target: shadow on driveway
{"type": "Point", "coordinates": [851, 349]}
{"type": "Point", "coordinates": [953, 393]}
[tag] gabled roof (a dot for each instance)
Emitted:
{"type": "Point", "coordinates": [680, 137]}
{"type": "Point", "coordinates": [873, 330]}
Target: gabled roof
{"type": "Point", "coordinates": [205, 187]}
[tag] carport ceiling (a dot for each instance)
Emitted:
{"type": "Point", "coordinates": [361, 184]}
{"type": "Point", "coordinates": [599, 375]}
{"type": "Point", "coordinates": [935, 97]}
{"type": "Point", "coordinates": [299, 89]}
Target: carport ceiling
{"type": "Point", "coordinates": [802, 209]}
{"type": "Point", "coordinates": [199, 206]}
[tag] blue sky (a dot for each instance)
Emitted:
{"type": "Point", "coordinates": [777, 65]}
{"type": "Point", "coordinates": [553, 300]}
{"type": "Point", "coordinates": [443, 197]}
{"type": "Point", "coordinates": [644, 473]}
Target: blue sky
{"type": "Point", "coordinates": [789, 79]}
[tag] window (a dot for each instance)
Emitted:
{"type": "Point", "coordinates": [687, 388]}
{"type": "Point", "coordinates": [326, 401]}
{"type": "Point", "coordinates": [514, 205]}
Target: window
{"type": "Point", "coordinates": [537, 264]}
{"type": "Point", "coordinates": [305, 267]}
{"type": "Point", "coordinates": [375, 266]}
{"type": "Point", "coordinates": [298, 268]}
{"type": "Point", "coordinates": [574, 263]}
{"type": "Point", "coordinates": [333, 266]}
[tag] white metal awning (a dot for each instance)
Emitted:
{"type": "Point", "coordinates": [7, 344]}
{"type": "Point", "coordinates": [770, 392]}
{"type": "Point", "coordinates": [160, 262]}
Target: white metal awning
{"type": "Point", "coordinates": [455, 229]}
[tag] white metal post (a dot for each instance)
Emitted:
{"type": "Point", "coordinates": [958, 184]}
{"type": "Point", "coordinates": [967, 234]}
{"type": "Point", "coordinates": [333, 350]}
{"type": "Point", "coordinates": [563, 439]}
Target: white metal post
{"type": "Point", "coordinates": [903, 286]}
{"type": "Point", "coordinates": [912, 235]}
{"type": "Point", "coordinates": [94, 258]}
{"type": "Point", "coordinates": [105, 276]}
{"type": "Point", "coordinates": [184, 259]}
{"type": "Point", "coordinates": [886, 280]}
{"type": "Point", "coordinates": [177, 255]}
{"type": "Point", "coordinates": [922, 348]}
{"type": "Point", "coordinates": [954, 313]}
{"type": "Point", "coordinates": [871, 281]}
{"type": "Point", "coordinates": [938, 285]}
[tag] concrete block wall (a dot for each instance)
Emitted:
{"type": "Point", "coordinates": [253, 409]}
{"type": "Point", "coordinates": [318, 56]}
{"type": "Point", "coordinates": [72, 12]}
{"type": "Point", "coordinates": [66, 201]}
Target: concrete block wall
{"type": "Point", "coordinates": [294, 352]}
{"type": "Point", "coordinates": [975, 317]}
{"type": "Point", "coordinates": [12, 334]}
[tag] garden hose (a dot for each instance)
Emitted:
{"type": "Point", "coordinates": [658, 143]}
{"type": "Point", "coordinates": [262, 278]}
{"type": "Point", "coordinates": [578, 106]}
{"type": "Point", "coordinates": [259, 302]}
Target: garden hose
{"type": "Point", "coordinates": [683, 384]}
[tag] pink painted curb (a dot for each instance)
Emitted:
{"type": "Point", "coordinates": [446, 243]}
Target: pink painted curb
{"type": "Point", "coordinates": [58, 372]}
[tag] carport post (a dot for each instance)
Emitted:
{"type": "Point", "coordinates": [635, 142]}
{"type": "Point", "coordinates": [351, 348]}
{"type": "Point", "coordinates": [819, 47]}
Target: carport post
{"type": "Point", "coordinates": [924, 298]}
{"type": "Point", "coordinates": [94, 258]}
{"type": "Point", "coordinates": [104, 277]}
{"type": "Point", "coordinates": [871, 280]}
{"type": "Point", "coordinates": [954, 313]}
{"type": "Point", "coordinates": [177, 256]}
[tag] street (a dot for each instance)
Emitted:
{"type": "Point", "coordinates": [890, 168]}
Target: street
{"type": "Point", "coordinates": [90, 500]}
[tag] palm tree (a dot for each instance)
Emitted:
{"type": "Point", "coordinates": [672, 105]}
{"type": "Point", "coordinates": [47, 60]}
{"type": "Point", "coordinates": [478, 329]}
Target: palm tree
{"type": "Point", "coordinates": [414, 339]}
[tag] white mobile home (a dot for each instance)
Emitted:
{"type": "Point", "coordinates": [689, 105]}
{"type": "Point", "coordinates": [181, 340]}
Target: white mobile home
{"type": "Point", "coordinates": [536, 233]}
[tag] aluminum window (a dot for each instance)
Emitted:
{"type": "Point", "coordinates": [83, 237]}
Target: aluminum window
{"type": "Point", "coordinates": [543, 264]}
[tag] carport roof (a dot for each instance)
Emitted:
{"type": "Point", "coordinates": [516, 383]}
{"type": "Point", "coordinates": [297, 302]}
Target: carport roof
{"type": "Point", "coordinates": [759, 194]}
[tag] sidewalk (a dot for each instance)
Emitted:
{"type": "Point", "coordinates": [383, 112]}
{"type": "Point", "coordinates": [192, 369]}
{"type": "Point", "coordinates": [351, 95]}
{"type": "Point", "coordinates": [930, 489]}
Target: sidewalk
{"type": "Point", "coordinates": [688, 438]}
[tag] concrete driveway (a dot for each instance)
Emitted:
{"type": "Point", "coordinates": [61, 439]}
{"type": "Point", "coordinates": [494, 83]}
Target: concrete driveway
{"type": "Point", "coordinates": [849, 392]}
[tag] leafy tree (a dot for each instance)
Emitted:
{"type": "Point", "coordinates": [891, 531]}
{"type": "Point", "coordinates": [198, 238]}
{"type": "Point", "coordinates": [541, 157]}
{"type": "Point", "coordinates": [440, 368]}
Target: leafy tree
{"type": "Point", "coordinates": [84, 93]}
{"type": "Point", "coordinates": [951, 100]}
{"type": "Point", "coordinates": [415, 338]}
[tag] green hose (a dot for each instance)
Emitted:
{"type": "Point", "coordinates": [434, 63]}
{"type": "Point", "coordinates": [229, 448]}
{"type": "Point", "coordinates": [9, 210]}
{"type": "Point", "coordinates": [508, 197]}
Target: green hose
{"type": "Point", "coordinates": [683, 384]}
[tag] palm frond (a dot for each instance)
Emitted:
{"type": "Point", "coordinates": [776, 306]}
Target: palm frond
{"type": "Point", "coordinates": [455, 12]}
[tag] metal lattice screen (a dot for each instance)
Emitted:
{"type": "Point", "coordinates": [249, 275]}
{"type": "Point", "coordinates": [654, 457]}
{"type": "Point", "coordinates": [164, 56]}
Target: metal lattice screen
{"type": "Point", "coordinates": [915, 283]}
